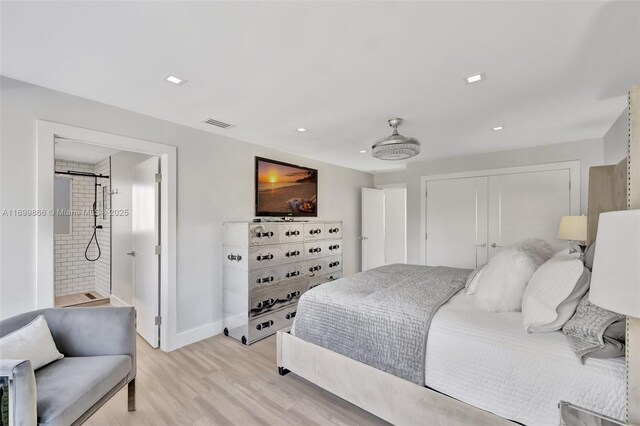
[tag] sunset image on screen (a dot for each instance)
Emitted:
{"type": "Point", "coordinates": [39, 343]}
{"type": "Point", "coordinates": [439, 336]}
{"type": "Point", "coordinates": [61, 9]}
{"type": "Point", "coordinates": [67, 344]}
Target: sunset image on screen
{"type": "Point", "coordinates": [286, 189]}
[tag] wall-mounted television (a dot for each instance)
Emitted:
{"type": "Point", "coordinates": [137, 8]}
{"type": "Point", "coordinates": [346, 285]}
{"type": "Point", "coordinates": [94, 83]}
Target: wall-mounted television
{"type": "Point", "coordinates": [284, 189]}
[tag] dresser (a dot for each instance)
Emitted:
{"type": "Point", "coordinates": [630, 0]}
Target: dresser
{"type": "Point", "coordinates": [268, 266]}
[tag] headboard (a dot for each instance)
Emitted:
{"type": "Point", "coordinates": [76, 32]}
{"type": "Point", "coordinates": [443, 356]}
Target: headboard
{"type": "Point", "coordinates": [607, 192]}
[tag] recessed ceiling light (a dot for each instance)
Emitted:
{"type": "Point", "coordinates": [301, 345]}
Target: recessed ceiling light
{"type": "Point", "coordinates": [498, 128]}
{"type": "Point", "coordinates": [363, 152]}
{"type": "Point", "coordinates": [173, 79]}
{"type": "Point", "coordinates": [301, 129]}
{"type": "Point", "coordinates": [475, 78]}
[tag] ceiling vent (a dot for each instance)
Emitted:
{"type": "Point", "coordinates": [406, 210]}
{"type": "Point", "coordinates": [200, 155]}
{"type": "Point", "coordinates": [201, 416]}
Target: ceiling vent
{"type": "Point", "coordinates": [218, 123]}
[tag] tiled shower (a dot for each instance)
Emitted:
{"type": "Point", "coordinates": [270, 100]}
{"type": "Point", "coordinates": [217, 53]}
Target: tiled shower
{"type": "Point", "coordinates": [74, 274]}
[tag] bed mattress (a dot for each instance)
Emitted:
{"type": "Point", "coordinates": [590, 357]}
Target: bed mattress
{"type": "Point", "coordinates": [487, 360]}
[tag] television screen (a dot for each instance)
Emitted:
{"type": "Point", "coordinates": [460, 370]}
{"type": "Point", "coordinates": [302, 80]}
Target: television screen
{"type": "Point", "coordinates": [284, 189]}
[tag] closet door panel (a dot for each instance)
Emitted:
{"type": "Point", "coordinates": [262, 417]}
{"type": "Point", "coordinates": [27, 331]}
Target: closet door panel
{"type": "Point", "coordinates": [456, 222]}
{"type": "Point", "coordinates": [527, 205]}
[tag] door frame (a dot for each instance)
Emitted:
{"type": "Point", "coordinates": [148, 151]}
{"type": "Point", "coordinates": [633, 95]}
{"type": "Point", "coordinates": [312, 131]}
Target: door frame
{"type": "Point", "coordinates": [574, 191]}
{"type": "Point", "coordinates": [401, 185]}
{"type": "Point", "coordinates": [47, 132]}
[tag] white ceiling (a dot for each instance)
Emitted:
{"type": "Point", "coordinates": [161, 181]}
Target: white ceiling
{"type": "Point", "coordinates": [556, 71]}
{"type": "Point", "coordinates": [70, 150]}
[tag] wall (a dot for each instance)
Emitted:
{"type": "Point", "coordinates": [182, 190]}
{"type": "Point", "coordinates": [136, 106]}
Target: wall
{"type": "Point", "coordinates": [73, 273]}
{"type": "Point", "coordinates": [616, 140]}
{"type": "Point", "coordinates": [103, 264]}
{"type": "Point", "coordinates": [395, 225]}
{"type": "Point", "coordinates": [590, 152]}
{"type": "Point", "coordinates": [215, 184]}
{"type": "Point", "coordinates": [122, 176]}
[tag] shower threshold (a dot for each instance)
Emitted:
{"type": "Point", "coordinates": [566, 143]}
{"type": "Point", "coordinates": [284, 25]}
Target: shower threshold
{"type": "Point", "coordinates": [84, 299]}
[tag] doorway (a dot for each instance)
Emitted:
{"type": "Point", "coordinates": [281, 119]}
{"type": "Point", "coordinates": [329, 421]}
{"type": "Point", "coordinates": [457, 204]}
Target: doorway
{"type": "Point", "coordinates": [107, 228]}
{"type": "Point", "coordinates": [162, 217]}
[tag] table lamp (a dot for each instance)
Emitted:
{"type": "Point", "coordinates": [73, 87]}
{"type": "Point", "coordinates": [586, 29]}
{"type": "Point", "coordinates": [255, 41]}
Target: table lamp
{"type": "Point", "coordinates": [615, 285]}
{"type": "Point", "coordinates": [573, 228]}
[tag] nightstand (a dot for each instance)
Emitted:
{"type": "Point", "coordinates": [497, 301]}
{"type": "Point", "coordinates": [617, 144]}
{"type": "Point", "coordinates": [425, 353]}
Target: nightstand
{"type": "Point", "coordinates": [571, 415]}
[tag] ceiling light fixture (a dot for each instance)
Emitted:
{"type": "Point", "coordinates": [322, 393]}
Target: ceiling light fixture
{"type": "Point", "coordinates": [173, 79]}
{"type": "Point", "coordinates": [301, 129]}
{"type": "Point", "coordinates": [475, 78]}
{"type": "Point", "coordinates": [363, 152]}
{"type": "Point", "coordinates": [498, 128]}
{"type": "Point", "coordinates": [396, 146]}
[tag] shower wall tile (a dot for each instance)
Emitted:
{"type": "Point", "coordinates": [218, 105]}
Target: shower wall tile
{"type": "Point", "coordinates": [103, 265]}
{"type": "Point", "coordinates": [73, 273]}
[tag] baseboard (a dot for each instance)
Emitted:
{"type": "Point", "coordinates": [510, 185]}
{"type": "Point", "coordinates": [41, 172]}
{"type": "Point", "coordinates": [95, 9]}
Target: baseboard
{"type": "Point", "coordinates": [115, 301]}
{"type": "Point", "coordinates": [194, 335]}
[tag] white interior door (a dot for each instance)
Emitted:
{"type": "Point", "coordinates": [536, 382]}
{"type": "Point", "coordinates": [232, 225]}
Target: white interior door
{"type": "Point", "coordinates": [395, 225]}
{"type": "Point", "coordinates": [145, 227]}
{"type": "Point", "coordinates": [528, 205]}
{"type": "Point", "coordinates": [456, 222]}
{"type": "Point", "coordinates": [372, 228]}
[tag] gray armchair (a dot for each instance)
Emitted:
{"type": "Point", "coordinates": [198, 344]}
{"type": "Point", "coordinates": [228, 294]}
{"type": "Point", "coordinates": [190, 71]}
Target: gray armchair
{"type": "Point", "coordinates": [99, 347]}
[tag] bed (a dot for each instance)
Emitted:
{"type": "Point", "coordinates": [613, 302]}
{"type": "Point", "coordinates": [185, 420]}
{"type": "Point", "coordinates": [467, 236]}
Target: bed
{"type": "Point", "coordinates": [479, 367]}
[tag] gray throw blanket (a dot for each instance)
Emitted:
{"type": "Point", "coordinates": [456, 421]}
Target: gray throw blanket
{"type": "Point", "coordinates": [380, 317]}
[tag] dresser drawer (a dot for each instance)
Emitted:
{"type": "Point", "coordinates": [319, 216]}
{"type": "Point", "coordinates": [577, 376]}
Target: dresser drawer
{"type": "Point", "coordinates": [275, 297]}
{"type": "Point", "coordinates": [290, 232]}
{"type": "Point", "coordinates": [333, 230]}
{"type": "Point", "coordinates": [315, 282]}
{"type": "Point", "coordinates": [314, 250]}
{"type": "Point", "coordinates": [271, 255]}
{"type": "Point", "coordinates": [264, 233]}
{"type": "Point", "coordinates": [334, 264]}
{"type": "Point", "coordinates": [264, 277]}
{"type": "Point", "coordinates": [331, 247]}
{"type": "Point", "coordinates": [267, 324]}
{"type": "Point", "coordinates": [314, 231]}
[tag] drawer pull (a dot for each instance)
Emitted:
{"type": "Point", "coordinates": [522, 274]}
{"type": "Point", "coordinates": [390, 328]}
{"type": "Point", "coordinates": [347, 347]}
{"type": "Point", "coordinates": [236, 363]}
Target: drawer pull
{"type": "Point", "coordinates": [262, 257]}
{"type": "Point", "coordinates": [292, 274]}
{"type": "Point", "coordinates": [293, 294]}
{"type": "Point", "coordinates": [334, 230]}
{"type": "Point", "coordinates": [315, 250]}
{"type": "Point", "coordinates": [315, 268]}
{"type": "Point", "coordinates": [265, 280]}
{"type": "Point", "coordinates": [331, 278]}
{"type": "Point", "coordinates": [290, 315]}
{"type": "Point", "coordinates": [264, 234]}
{"type": "Point", "coordinates": [334, 264]}
{"type": "Point", "coordinates": [316, 231]}
{"type": "Point", "coordinates": [265, 303]}
{"type": "Point", "coordinates": [292, 253]}
{"type": "Point", "coordinates": [264, 325]}
{"type": "Point", "coordinates": [334, 247]}
{"type": "Point", "coordinates": [235, 257]}
{"type": "Point", "coordinates": [292, 233]}
{"type": "Point", "coordinates": [314, 286]}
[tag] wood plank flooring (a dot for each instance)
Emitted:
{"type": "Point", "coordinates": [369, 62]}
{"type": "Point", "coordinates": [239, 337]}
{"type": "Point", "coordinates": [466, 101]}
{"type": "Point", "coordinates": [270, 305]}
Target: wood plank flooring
{"type": "Point", "coordinates": [221, 382]}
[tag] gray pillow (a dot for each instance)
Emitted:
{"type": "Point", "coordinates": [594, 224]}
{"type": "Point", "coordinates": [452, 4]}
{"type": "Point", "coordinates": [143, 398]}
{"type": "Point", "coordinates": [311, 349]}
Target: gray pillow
{"type": "Point", "coordinates": [586, 331]}
{"type": "Point", "coordinates": [589, 255]}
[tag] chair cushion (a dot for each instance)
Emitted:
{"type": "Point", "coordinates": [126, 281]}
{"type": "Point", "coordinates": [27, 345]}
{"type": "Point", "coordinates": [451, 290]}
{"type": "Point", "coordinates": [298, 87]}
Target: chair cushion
{"type": "Point", "coordinates": [69, 387]}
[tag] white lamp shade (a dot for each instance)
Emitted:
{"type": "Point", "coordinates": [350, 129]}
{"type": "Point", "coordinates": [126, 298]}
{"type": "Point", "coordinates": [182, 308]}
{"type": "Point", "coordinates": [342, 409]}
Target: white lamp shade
{"type": "Point", "coordinates": [615, 280]}
{"type": "Point", "coordinates": [573, 228]}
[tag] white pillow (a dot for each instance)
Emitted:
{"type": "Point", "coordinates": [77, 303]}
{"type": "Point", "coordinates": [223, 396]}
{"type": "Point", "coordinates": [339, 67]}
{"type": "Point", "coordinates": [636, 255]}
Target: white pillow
{"type": "Point", "coordinates": [501, 285]}
{"type": "Point", "coordinates": [472, 284]}
{"type": "Point", "coordinates": [553, 294]}
{"type": "Point", "coordinates": [33, 342]}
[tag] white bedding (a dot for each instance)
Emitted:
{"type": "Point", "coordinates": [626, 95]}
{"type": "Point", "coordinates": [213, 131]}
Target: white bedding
{"type": "Point", "coordinates": [487, 360]}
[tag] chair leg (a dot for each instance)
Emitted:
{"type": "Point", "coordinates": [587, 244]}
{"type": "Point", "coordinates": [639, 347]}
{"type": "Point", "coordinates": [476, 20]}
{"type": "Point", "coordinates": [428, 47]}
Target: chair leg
{"type": "Point", "coordinates": [131, 395]}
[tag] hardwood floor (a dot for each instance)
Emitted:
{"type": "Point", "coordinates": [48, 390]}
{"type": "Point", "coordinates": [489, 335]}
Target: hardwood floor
{"type": "Point", "coordinates": [221, 382]}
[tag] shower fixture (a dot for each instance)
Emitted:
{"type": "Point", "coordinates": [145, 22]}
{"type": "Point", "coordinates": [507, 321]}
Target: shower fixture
{"type": "Point", "coordinates": [94, 211]}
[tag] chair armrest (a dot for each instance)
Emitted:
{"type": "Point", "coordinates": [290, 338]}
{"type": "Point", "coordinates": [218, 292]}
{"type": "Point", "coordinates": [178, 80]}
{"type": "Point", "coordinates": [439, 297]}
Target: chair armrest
{"type": "Point", "coordinates": [94, 331]}
{"type": "Point", "coordinates": [22, 391]}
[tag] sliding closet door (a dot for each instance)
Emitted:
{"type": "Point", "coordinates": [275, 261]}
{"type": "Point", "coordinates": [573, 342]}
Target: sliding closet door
{"type": "Point", "coordinates": [527, 205]}
{"type": "Point", "coordinates": [456, 222]}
